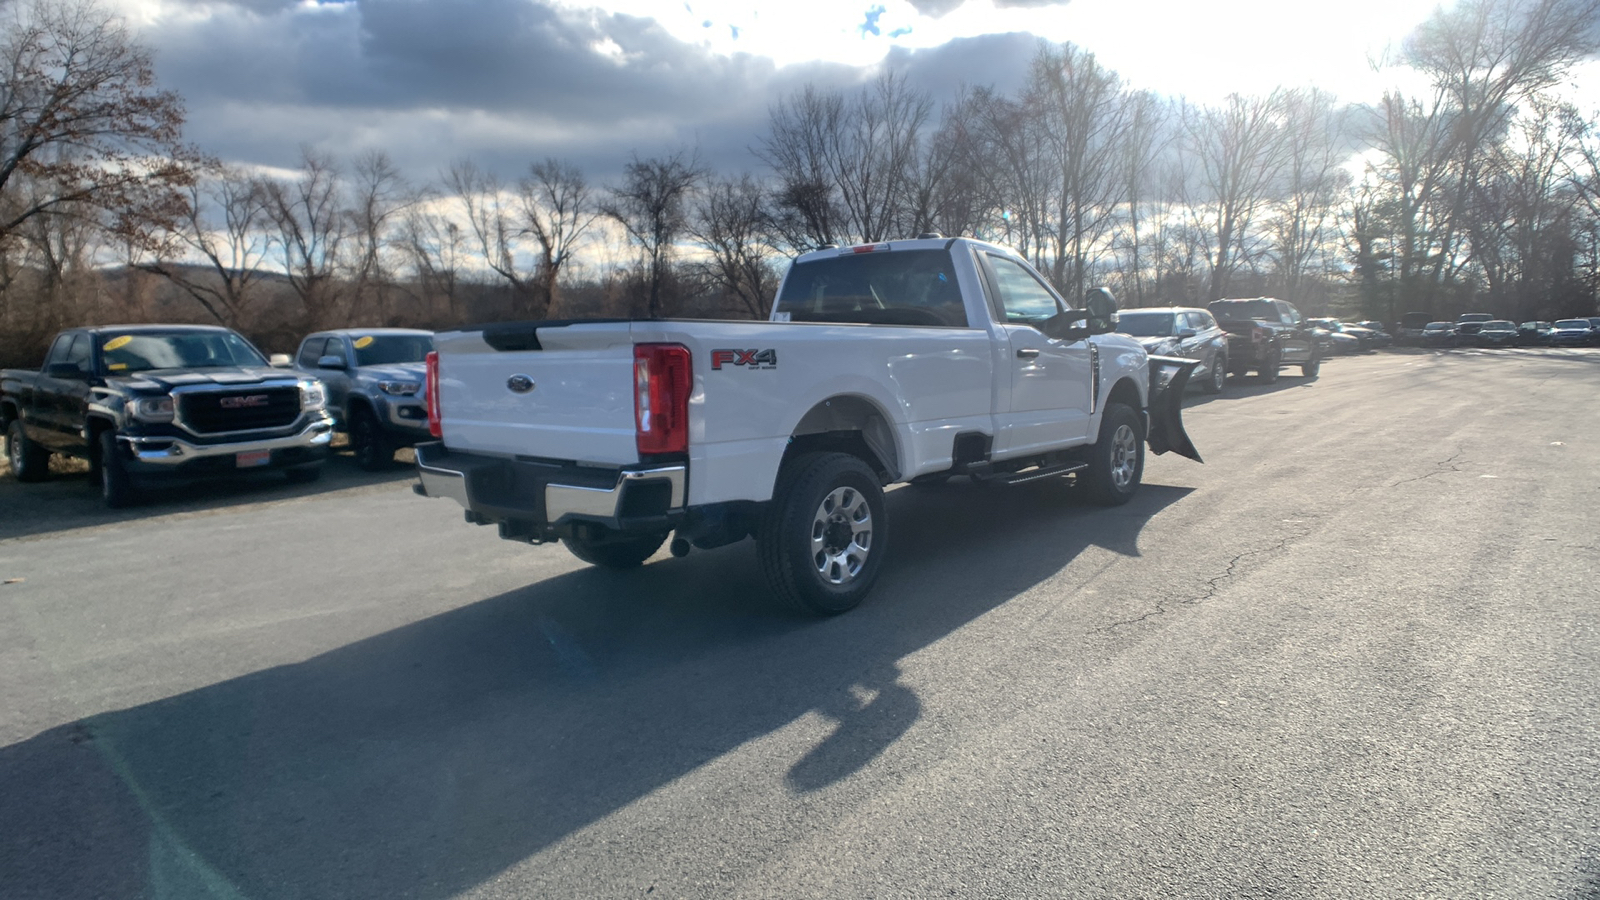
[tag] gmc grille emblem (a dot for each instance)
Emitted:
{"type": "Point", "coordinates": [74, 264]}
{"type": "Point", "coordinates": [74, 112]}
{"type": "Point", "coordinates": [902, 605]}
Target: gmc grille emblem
{"type": "Point", "coordinates": [242, 402]}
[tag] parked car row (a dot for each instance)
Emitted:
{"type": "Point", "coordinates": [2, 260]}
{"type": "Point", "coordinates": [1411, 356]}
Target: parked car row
{"type": "Point", "coordinates": [1505, 333]}
{"type": "Point", "coordinates": [1239, 336]}
{"type": "Point", "coordinates": [150, 405]}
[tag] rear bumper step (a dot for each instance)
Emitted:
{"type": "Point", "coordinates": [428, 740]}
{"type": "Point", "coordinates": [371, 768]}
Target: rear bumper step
{"type": "Point", "coordinates": [535, 497]}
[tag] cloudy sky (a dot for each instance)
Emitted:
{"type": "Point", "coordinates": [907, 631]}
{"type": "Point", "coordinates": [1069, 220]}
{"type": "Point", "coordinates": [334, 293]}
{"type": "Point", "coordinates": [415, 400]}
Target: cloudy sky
{"type": "Point", "coordinates": [509, 81]}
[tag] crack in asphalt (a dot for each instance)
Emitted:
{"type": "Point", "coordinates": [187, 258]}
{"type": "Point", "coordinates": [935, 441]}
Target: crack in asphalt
{"type": "Point", "coordinates": [1439, 469]}
{"type": "Point", "coordinates": [1212, 585]}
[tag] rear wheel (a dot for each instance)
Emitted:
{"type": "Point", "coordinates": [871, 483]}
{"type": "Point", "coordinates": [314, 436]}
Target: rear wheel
{"type": "Point", "coordinates": [1311, 367]}
{"type": "Point", "coordinates": [116, 488]}
{"type": "Point", "coordinates": [1267, 372]}
{"type": "Point", "coordinates": [1116, 459]}
{"type": "Point", "coordinates": [823, 537]}
{"type": "Point", "coordinates": [615, 552]}
{"type": "Point", "coordinates": [29, 461]}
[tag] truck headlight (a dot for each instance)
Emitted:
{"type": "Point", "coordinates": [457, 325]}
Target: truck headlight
{"type": "Point", "coordinates": [312, 396]}
{"type": "Point", "coordinates": [400, 388]}
{"type": "Point", "coordinates": [151, 409]}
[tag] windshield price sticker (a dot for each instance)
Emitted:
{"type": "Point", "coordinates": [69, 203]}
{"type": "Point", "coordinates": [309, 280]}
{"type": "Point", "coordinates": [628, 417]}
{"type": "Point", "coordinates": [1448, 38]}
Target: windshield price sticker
{"type": "Point", "coordinates": [363, 343]}
{"type": "Point", "coordinates": [117, 343]}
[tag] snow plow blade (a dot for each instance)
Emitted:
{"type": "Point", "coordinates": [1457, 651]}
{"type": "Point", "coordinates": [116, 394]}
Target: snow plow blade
{"type": "Point", "coordinates": [1169, 375]}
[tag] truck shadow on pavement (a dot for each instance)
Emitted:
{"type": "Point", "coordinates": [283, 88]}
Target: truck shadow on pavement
{"type": "Point", "coordinates": [67, 499]}
{"type": "Point", "coordinates": [426, 760]}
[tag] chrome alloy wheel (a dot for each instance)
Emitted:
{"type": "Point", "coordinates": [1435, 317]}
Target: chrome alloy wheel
{"type": "Point", "coordinates": [841, 535]}
{"type": "Point", "coordinates": [1124, 456]}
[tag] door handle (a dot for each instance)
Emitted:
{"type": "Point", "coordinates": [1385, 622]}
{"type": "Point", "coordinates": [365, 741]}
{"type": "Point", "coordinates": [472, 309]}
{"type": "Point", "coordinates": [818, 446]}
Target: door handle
{"type": "Point", "coordinates": [1027, 353]}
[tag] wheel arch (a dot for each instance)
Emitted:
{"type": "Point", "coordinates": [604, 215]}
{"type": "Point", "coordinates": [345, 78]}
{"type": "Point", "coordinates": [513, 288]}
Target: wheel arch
{"type": "Point", "coordinates": [849, 423]}
{"type": "Point", "coordinates": [1126, 391]}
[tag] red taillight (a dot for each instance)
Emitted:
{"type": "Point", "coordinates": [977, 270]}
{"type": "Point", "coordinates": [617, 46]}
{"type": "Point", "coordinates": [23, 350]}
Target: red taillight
{"type": "Point", "coordinates": [435, 420]}
{"type": "Point", "coordinates": [662, 381]}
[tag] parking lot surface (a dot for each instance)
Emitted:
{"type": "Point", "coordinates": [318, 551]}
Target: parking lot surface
{"type": "Point", "coordinates": [1355, 654]}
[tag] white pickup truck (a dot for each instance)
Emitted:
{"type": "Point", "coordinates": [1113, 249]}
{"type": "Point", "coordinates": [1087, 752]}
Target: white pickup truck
{"type": "Point", "coordinates": [903, 361]}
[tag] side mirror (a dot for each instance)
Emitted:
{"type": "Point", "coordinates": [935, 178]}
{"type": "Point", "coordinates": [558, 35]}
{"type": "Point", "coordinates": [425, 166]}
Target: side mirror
{"type": "Point", "coordinates": [278, 360]}
{"type": "Point", "coordinates": [1186, 334]}
{"type": "Point", "coordinates": [63, 370]}
{"type": "Point", "coordinates": [1101, 306]}
{"type": "Point", "coordinates": [331, 362]}
{"type": "Point", "coordinates": [1064, 326]}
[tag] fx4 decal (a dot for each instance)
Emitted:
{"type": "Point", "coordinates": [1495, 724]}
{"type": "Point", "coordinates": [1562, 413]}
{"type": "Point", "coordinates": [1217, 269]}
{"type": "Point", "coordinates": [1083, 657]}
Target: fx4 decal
{"type": "Point", "coordinates": [755, 359]}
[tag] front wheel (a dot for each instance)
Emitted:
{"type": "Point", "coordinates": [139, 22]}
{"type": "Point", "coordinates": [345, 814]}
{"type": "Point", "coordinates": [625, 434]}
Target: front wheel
{"type": "Point", "coordinates": [823, 537]}
{"type": "Point", "coordinates": [1116, 459]}
{"type": "Point", "coordinates": [615, 552]}
{"type": "Point", "coordinates": [116, 488]}
{"type": "Point", "coordinates": [367, 441]}
{"type": "Point", "coordinates": [29, 461]}
{"type": "Point", "coordinates": [1218, 377]}
{"type": "Point", "coordinates": [1311, 367]}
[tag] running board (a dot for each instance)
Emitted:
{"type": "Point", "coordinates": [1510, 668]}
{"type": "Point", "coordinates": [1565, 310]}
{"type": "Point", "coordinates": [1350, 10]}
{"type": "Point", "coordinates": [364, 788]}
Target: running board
{"type": "Point", "coordinates": [1028, 475]}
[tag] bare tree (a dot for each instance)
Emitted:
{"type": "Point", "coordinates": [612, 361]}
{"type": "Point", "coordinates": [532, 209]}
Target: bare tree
{"type": "Point", "coordinates": [730, 223]}
{"type": "Point", "coordinates": [225, 227]}
{"type": "Point", "coordinates": [308, 217]}
{"type": "Point", "coordinates": [845, 165]}
{"type": "Point", "coordinates": [651, 206]}
{"type": "Point", "coordinates": [491, 219]}
{"type": "Point", "coordinates": [1239, 150]}
{"type": "Point", "coordinates": [1080, 106]}
{"type": "Point", "coordinates": [83, 128]}
{"type": "Point", "coordinates": [380, 196]}
{"type": "Point", "coordinates": [1314, 148]}
{"type": "Point", "coordinates": [557, 210]}
{"type": "Point", "coordinates": [435, 247]}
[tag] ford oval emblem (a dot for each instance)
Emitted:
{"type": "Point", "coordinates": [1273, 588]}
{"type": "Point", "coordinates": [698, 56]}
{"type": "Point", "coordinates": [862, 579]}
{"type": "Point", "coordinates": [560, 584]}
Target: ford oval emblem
{"type": "Point", "coordinates": [519, 384]}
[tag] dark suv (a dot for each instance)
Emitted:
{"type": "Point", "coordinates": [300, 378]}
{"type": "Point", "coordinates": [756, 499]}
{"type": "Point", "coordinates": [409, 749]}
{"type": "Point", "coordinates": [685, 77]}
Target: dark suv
{"type": "Point", "coordinates": [1265, 334]}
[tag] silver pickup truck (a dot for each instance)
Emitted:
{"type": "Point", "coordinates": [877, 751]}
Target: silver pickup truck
{"type": "Point", "coordinates": [376, 388]}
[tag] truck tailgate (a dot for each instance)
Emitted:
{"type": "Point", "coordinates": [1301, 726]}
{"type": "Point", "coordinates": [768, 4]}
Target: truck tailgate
{"type": "Point", "coordinates": [561, 391]}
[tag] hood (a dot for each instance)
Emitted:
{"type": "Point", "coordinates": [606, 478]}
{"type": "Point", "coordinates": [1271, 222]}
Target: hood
{"type": "Point", "coordinates": [1151, 343]}
{"type": "Point", "coordinates": [164, 380]}
{"type": "Point", "coordinates": [396, 372]}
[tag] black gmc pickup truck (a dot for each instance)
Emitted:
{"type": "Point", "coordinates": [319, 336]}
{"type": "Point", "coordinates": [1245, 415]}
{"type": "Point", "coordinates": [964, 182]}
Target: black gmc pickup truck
{"type": "Point", "coordinates": [152, 404]}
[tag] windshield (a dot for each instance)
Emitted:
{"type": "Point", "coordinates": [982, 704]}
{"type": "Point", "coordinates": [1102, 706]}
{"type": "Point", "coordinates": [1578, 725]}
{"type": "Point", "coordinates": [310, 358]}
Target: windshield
{"type": "Point", "coordinates": [1239, 310]}
{"type": "Point", "coordinates": [1473, 317]}
{"type": "Point", "coordinates": [899, 287]}
{"type": "Point", "coordinates": [120, 354]}
{"type": "Point", "coordinates": [388, 349]}
{"type": "Point", "coordinates": [1146, 324]}
{"type": "Point", "coordinates": [1499, 326]}
{"type": "Point", "coordinates": [1573, 323]}
{"type": "Point", "coordinates": [1438, 326]}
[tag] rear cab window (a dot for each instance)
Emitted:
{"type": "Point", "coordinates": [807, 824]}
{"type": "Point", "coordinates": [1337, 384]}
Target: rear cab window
{"type": "Point", "coordinates": [887, 287]}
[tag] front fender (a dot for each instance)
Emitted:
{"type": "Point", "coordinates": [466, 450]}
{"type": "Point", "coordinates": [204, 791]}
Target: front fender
{"type": "Point", "coordinates": [1169, 375]}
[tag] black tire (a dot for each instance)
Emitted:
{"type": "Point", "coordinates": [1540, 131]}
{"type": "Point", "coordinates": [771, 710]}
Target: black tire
{"type": "Point", "coordinates": [1219, 374]}
{"type": "Point", "coordinates": [368, 443]}
{"type": "Point", "coordinates": [116, 488]}
{"type": "Point", "coordinates": [1116, 458]}
{"type": "Point", "coordinates": [1311, 367]}
{"type": "Point", "coordinates": [1267, 372]}
{"type": "Point", "coordinates": [303, 474]}
{"type": "Point", "coordinates": [823, 499]}
{"type": "Point", "coordinates": [29, 461]}
{"type": "Point", "coordinates": [625, 552]}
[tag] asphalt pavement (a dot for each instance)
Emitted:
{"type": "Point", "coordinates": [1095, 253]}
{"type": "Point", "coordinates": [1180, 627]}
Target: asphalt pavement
{"type": "Point", "coordinates": [1355, 654]}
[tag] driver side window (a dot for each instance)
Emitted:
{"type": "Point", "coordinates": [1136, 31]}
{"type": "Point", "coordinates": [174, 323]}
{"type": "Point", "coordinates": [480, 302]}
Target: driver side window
{"type": "Point", "coordinates": [1021, 297]}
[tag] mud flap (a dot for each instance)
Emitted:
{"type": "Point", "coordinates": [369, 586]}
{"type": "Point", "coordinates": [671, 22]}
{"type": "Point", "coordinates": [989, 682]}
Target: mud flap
{"type": "Point", "coordinates": [1169, 375]}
